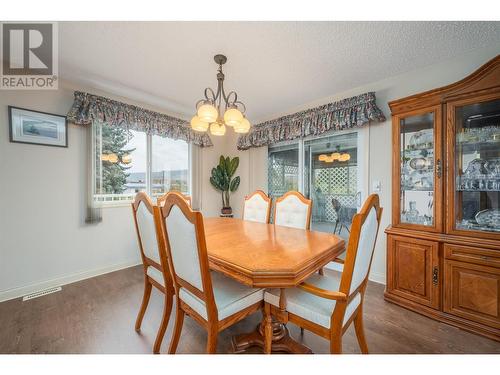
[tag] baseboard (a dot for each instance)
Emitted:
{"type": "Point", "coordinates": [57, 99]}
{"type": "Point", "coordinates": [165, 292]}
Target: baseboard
{"type": "Point", "coordinates": [64, 280]}
{"type": "Point", "coordinates": [377, 277]}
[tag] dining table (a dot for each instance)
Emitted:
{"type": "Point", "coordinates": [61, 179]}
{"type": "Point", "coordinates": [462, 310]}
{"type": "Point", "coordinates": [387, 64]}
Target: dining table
{"type": "Point", "coordinates": [263, 255]}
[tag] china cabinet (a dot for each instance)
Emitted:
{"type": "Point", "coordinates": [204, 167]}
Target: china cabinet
{"type": "Point", "coordinates": [443, 247]}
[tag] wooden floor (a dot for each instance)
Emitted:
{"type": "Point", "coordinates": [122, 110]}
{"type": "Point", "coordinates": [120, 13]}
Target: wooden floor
{"type": "Point", "coordinates": [97, 316]}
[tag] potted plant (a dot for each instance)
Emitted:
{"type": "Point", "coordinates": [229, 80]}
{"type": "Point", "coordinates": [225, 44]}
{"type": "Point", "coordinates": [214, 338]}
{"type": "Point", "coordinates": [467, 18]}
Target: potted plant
{"type": "Point", "coordinates": [222, 180]}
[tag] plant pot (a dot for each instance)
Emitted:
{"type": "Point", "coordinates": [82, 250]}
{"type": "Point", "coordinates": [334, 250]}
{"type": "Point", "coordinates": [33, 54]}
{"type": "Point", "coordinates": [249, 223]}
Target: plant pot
{"type": "Point", "coordinates": [226, 210]}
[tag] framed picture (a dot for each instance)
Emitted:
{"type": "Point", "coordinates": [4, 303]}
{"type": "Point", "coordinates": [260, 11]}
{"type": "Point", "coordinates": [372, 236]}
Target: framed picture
{"type": "Point", "coordinates": [39, 128]}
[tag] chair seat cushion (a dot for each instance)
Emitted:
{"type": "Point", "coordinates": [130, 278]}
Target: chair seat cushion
{"type": "Point", "coordinates": [310, 307]}
{"type": "Point", "coordinates": [230, 297]}
{"type": "Point", "coordinates": [156, 275]}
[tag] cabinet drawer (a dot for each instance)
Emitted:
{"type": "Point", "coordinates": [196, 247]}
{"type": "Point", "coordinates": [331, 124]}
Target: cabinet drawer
{"type": "Point", "coordinates": [485, 257]}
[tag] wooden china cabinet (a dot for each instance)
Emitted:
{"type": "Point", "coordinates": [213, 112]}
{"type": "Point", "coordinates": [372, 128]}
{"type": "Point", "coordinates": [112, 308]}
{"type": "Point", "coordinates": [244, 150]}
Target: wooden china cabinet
{"type": "Point", "coordinates": [443, 247]}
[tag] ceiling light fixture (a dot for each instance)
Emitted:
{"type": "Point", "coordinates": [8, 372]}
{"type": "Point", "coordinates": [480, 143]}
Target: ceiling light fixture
{"type": "Point", "coordinates": [219, 110]}
{"type": "Point", "coordinates": [334, 156]}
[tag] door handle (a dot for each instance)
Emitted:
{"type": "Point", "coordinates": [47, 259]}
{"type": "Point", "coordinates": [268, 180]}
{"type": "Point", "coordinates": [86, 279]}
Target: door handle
{"type": "Point", "coordinates": [439, 168]}
{"type": "Point", "coordinates": [435, 276]}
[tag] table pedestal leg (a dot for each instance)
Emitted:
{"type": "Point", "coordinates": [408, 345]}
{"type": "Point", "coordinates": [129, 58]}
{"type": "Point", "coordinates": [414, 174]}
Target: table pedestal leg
{"type": "Point", "coordinates": [281, 342]}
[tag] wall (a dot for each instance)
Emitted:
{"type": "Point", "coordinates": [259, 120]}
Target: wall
{"type": "Point", "coordinates": [254, 162]}
{"type": "Point", "coordinates": [44, 240]}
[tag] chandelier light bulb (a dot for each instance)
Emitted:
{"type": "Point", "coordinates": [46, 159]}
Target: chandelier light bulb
{"type": "Point", "coordinates": [243, 127]}
{"type": "Point", "coordinates": [344, 157]}
{"type": "Point", "coordinates": [322, 157]}
{"type": "Point", "coordinates": [335, 156]}
{"type": "Point", "coordinates": [233, 117]}
{"type": "Point", "coordinates": [207, 113]}
{"type": "Point", "coordinates": [126, 159]}
{"type": "Point", "coordinates": [105, 157]}
{"type": "Point", "coordinates": [198, 125]}
{"type": "Point", "coordinates": [217, 129]}
{"type": "Point", "coordinates": [113, 158]}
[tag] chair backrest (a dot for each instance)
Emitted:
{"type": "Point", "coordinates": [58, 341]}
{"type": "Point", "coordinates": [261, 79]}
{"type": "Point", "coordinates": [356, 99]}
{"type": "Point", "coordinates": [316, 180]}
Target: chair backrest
{"type": "Point", "coordinates": [142, 210]}
{"type": "Point", "coordinates": [293, 210]}
{"type": "Point", "coordinates": [361, 246]}
{"type": "Point", "coordinates": [160, 201]}
{"type": "Point", "coordinates": [183, 236]}
{"type": "Point", "coordinates": [257, 207]}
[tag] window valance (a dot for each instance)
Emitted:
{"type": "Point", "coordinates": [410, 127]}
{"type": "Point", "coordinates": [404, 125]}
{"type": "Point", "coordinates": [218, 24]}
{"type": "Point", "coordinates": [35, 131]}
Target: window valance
{"type": "Point", "coordinates": [344, 114]}
{"type": "Point", "coordinates": [88, 108]}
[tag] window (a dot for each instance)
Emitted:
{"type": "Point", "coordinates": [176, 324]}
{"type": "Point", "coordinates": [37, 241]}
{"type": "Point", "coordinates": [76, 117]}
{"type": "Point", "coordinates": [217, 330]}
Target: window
{"type": "Point", "coordinates": [170, 166]}
{"type": "Point", "coordinates": [127, 162]}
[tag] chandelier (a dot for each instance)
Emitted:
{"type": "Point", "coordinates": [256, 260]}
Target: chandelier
{"type": "Point", "coordinates": [339, 156]}
{"type": "Point", "coordinates": [219, 110]}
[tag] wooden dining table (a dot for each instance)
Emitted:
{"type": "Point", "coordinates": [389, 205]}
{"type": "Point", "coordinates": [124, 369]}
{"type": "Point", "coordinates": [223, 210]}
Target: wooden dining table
{"type": "Point", "coordinates": [268, 256]}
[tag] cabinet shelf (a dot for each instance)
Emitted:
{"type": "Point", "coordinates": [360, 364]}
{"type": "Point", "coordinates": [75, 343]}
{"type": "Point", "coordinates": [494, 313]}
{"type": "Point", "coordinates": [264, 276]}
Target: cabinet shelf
{"type": "Point", "coordinates": [472, 147]}
{"type": "Point", "coordinates": [479, 190]}
{"type": "Point", "coordinates": [418, 189]}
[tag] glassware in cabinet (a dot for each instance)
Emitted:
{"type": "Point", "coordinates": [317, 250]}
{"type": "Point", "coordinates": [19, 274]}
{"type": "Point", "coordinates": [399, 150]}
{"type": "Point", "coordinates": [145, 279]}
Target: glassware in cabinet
{"type": "Point", "coordinates": [477, 166]}
{"type": "Point", "coordinates": [417, 164]}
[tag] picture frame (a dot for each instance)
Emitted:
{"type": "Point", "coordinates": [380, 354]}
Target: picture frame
{"type": "Point", "coordinates": [38, 128]}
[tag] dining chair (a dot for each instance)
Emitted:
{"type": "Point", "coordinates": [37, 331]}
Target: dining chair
{"type": "Point", "coordinates": [154, 263]}
{"type": "Point", "coordinates": [257, 207]}
{"type": "Point", "coordinates": [328, 304]}
{"type": "Point", "coordinates": [160, 201]}
{"type": "Point", "coordinates": [210, 298]}
{"type": "Point", "coordinates": [293, 210]}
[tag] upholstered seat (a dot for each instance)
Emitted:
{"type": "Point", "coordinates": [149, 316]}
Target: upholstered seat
{"type": "Point", "coordinates": [293, 210]}
{"type": "Point", "coordinates": [156, 275]}
{"type": "Point", "coordinates": [257, 207]}
{"type": "Point", "coordinates": [308, 306]}
{"type": "Point", "coordinates": [230, 297]}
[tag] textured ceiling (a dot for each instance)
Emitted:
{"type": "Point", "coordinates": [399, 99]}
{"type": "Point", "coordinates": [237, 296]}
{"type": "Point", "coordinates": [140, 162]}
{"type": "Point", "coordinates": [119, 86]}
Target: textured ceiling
{"type": "Point", "coordinates": [274, 66]}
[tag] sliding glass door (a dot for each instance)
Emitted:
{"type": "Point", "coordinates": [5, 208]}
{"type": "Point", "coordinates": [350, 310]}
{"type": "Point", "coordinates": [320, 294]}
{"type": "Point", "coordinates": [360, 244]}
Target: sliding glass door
{"type": "Point", "coordinates": [283, 169]}
{"type": "Point", "coordinates": [329, 170]}
{"type": "Point", "coordinates": [331, 181]}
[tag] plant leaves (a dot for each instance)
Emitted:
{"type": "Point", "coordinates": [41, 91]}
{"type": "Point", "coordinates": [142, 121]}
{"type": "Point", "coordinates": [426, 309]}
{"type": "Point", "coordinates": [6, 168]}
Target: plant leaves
{"type": "Point", "coordinates": [215, 183]}
{"type": "Point", "coordinates": [233, 165]}
{"type": "Point", "coordinates": [222, 162]}
{"type": "Point", "coordinates": [235, 183]}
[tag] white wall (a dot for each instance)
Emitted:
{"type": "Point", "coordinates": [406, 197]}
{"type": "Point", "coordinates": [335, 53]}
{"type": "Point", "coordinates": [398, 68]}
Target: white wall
{"type": "Point", "coordinates": [44, 240]}
{"type": "Point", "coordinates": [253, 168]}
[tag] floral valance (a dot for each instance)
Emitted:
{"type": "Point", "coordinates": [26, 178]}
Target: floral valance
{"type": "Point", "coordinates": [88, 108]}
{"type": "Point", "coordinates": [344, 114]}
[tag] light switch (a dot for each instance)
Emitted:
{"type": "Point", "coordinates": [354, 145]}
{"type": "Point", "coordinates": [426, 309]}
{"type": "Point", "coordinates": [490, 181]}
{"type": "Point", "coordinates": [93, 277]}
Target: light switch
{"type": "Point", "coordinates": [376, 186]}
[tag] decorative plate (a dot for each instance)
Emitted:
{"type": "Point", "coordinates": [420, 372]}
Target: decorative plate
{"type": "Point", "coordinates": [419, 163]}
{"type": "Point", "coordinates": [476, 167]}
{"type": "Point", "coordinates": [489, 217]}
{"type": "Point", "coordinates": [492, 166]}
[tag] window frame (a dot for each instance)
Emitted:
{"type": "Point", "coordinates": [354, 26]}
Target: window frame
{"type": "Point", "coordinates": [149, 165]}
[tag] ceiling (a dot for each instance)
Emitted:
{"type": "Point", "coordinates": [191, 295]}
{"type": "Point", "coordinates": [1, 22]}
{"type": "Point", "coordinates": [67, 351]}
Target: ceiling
{"type": "Point", "coordinates": [274, 66]}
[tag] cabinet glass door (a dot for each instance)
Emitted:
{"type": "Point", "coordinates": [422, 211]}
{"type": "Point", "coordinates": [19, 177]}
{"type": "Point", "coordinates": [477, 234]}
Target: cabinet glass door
{"type": "Point", "coordinates": [419, 166]}
{"type": "Point", "coordinates": [477, 166]}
